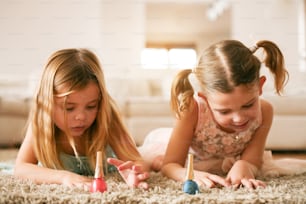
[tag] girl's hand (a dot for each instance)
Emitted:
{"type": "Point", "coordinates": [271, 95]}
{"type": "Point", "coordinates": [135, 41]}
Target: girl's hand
{"type": "Point", "coordinates": [209, 180]}
{"type": "Point", "coordinates": [133, 174]}
{"type": "Point", "coordinates": [243, 173]}
{"type": "Point", "coordinates": [71, 179]}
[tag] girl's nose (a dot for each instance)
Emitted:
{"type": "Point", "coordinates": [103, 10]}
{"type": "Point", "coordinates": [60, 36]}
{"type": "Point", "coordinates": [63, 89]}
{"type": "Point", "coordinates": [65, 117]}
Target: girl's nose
{"type": "Point", "coordinates": [238, 117]}
{"type": "Point", "coordinates": [80, 116]}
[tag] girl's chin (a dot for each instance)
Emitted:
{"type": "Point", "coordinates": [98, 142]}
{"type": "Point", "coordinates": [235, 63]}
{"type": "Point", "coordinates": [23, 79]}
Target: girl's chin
{"type": "Point", "coordinates": [236, 128]}
{"type": "Point", "coordinates": [77, 133]}
{"type": "Point", "coordinates": [240, 128]}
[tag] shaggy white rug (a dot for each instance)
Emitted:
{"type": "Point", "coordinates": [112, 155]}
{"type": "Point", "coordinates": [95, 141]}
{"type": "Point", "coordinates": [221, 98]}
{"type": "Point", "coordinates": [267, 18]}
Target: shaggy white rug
{"type": "Point", "coordinates": [289, 189]}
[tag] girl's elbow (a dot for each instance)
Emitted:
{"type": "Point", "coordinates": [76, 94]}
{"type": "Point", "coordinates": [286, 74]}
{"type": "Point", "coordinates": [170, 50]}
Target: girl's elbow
{"type": "Point", "coordinates": [166, 169]}
{"type": "Point", "coordinates": [16, 170]}
{"type": "Point", "coordinates": [163, 169]}
{"type": "Point", "coordinates": [19, 169]}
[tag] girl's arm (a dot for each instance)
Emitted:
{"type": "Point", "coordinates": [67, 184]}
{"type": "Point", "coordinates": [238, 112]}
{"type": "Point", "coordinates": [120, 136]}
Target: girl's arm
{"type": "Point", "coordinates": [178, 147]}
{"type": "Point", "coordinates": [26, 168]}
{"type": "Point", "coordinates": [244, 171]}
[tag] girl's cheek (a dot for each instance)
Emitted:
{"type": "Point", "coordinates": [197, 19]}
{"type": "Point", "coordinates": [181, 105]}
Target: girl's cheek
{"type": "Point", "coordinates": [253, 113]}
{"type": "Point", "coordinates": [221, 119]}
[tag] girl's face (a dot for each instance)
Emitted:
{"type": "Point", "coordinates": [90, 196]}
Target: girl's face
{"type": "Point", "coordinates": [80, 107]}
{"type": "Point", "coordinates": [235, 111]}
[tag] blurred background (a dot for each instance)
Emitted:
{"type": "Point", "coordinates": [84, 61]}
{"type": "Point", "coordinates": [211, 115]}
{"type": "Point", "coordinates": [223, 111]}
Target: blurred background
{"type": "Point", "coordinates": [120, 31]}
{"type": "Point", "coordinates": [141, 45]}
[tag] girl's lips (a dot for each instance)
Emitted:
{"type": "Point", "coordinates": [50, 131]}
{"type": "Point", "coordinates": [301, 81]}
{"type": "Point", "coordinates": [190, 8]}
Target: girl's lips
{"type": "Point", "coordinates": [242, 126]}
{"type": "Point", "coordinates": [78, 129]}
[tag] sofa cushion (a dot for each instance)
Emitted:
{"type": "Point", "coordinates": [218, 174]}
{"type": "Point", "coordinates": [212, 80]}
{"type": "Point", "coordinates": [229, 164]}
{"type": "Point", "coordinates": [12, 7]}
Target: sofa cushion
{"type": "Point", "coordinates": [14, 106]}
{"type": "Point", "coordinates": [288, 105]}
{"type": "Point", "coordinates": [147, 106]}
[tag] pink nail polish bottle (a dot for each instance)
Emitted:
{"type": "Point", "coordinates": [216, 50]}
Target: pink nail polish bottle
{"type": "Point", "coordinates": [98, 184]}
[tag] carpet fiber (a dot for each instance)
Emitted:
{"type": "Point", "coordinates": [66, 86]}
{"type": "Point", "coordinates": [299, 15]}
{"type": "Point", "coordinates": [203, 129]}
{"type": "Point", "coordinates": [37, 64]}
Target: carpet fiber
{"type": "Point", "coordinates": [287, 189]}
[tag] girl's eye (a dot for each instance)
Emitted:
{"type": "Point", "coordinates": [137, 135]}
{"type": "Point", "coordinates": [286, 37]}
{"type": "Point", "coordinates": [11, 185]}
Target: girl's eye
{"type": "Point", "coordinates": [223, 112]}
{"type": "Point", "coordinates": [248, 105]}
{"type": "Point", "coordinates": [92, 107]}
{"type": "Point", "coordinates": [69, 109]}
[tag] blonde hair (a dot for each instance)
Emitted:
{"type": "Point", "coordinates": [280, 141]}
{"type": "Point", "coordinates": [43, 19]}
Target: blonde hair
{"type": "Point", "coordinates": [75, 68]}
{"type": "Point", "coordinates": [225, 65]}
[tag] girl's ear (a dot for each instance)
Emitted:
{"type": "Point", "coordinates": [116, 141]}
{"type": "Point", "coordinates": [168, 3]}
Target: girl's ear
{"type": "Point", "coordinates": [201, 95]}
{"type": "Point", "coordinates": [262, 80]}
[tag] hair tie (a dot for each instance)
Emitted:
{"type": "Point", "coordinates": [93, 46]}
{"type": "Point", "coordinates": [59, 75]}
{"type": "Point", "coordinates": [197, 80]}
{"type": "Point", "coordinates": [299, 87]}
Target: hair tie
{"type": "Point", "coordinates": [253, 48]}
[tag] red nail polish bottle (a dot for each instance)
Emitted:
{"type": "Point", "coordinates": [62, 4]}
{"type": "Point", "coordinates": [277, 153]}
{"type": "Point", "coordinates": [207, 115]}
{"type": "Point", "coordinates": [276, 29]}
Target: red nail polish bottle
{"type": "Point", "coordinates": [98, 184]}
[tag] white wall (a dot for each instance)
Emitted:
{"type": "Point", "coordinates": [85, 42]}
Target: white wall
{"type": "Point", "coordinates": [185, 23]}
{"type": "Point", "coordinates": [275, 20]}
{"type": "Point", "coordinates": [31, 30]}
{"type": "Point", "coordinates": [123, 36]}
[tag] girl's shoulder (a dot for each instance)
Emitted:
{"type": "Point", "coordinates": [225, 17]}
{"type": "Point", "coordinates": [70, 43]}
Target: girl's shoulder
{"type": "Point", "coordinates": [190, 115]}
{"type": "Point", "coordinates": [200, 104]}
{"type": "Point", "coordinates": [202, 112]}
{"type": "Point", "coordinates": [266, 106]}
{"type": "Point", "coordinates": [267, 112]}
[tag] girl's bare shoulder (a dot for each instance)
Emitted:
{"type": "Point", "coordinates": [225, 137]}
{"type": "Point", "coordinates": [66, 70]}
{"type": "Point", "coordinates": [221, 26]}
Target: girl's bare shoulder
{"type": "Point", "coordinates": [190, 115]}
{"type": "Point", "coordinates": [266, 105]}
{"type": "Point", "coordinates": [267, 111]}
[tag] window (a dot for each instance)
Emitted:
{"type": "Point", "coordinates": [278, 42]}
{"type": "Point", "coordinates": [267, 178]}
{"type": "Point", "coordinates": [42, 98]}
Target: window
{"type": "Point", "coordinates": [168, 58]}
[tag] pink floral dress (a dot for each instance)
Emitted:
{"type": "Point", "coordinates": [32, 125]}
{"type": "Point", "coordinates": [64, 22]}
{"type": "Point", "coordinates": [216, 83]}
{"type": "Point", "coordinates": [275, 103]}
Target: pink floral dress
{"type": "Point", "coordinates": [213, 148]}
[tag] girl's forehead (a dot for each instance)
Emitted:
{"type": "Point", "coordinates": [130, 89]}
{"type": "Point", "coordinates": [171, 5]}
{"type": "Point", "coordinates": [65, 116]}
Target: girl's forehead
{"type": "Point", "coordinates": [90, 92]}
{"type": "Point", "coordinates": [240, 94]}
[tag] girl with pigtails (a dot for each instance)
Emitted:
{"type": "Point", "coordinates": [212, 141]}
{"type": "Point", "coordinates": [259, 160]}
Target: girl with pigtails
{"type": "Point", "coordinates": [221, 119]}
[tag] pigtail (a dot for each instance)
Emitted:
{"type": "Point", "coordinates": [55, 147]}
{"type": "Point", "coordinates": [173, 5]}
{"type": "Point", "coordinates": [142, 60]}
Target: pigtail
{"type": "Point", "coordinates": [181, 92]}
{"type": "Point", "coordinates": [275, 62]}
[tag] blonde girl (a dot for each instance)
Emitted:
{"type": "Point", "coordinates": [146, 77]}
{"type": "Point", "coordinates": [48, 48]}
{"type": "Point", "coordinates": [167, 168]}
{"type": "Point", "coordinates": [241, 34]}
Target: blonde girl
{"type": "Point", "coordinates": [72, 117]}
{"type": "Point", "coordinates": [221, 118]}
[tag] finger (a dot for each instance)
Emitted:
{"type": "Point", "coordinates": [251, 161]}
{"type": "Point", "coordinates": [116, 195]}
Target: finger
{"type": "Point", "coordinates": [143, 185]}
{"type": "Point", "coordinates": [115, 162]}
{"type": "Point", "coordinates": [258, 183]}
{"type": "Point", "coordinates": [236, 186]}
{"type": "Point", "coordinates": [143, 176]}
{"type": "Point", "coordinates": [207, 182]}
{"type": "Point", "coordinates": [138, 168]}
{"type": "Point", "coordinates": [126, 165]}
{"type": "Point", "coordinates": [219, 180]}
{"type": "Point", "coordinates": [121, 165]}
{"type": "Point", "coordinates": [247, 183]}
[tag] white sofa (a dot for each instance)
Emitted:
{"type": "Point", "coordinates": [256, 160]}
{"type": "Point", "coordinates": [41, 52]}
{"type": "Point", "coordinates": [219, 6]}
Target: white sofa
{"type": "Point", "coordinates": [288, 129]}
{"type": "Point", "coordinates": [145, 106]}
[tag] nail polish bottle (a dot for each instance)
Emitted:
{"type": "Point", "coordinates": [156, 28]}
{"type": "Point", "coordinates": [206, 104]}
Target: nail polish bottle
{"type": "Point", "coordinates": [99, 184]}
{"type": "Point", "coordinates": [190, 186]}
